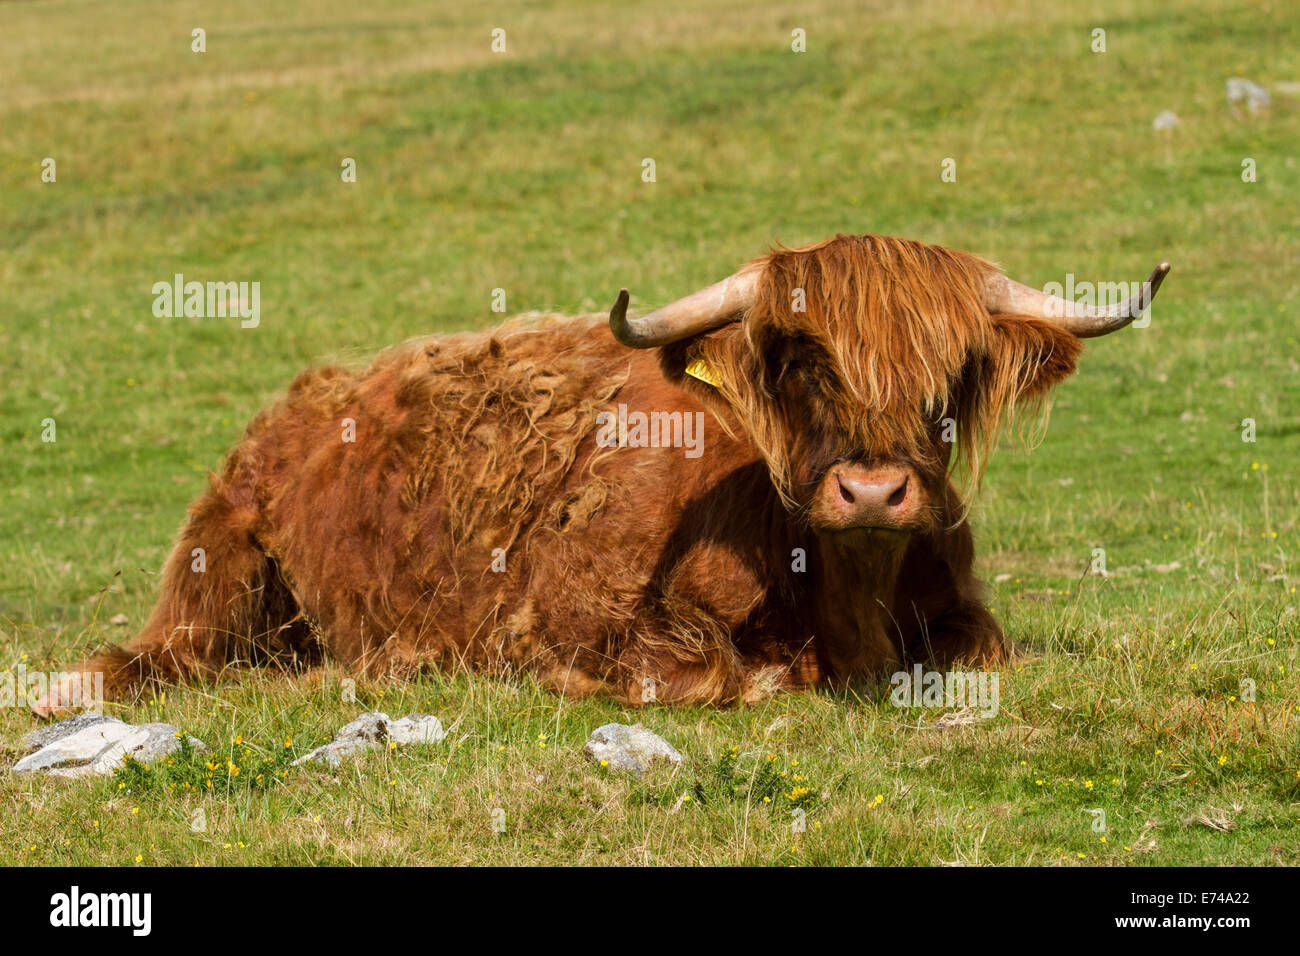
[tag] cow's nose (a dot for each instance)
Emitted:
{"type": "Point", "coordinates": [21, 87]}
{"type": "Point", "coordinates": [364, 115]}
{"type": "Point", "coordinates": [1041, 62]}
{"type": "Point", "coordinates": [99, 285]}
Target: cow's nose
{"type": "Point", "coordinates": [878, 497]}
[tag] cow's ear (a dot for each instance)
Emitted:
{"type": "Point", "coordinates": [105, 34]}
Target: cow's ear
{"type": "Point", "coordinates": [714, 366]}
{"type": "Point", "coordinates": [1029, 356]}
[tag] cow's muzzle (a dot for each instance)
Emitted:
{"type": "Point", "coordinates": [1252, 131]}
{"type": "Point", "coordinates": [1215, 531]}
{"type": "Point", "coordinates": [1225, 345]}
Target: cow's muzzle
{"type": "Point", "coordinates": [851, 496]}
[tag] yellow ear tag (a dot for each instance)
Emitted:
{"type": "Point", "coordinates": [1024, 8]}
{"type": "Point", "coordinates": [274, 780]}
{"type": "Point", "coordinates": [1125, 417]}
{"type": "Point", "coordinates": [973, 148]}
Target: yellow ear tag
{"type": "Point", "coordinates": [703, 371]}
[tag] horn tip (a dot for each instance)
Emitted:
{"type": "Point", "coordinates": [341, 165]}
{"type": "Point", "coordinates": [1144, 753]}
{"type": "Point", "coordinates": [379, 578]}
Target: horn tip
{"type": "Point", "coordinates": [619, 310]}
{"type": "Point", "coordinates": [618, 323]}
{"type": "Point", "coordinates": [1158, 276]}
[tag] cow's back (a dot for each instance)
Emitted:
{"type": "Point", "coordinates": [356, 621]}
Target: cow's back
{"type": "Point", "coordinates": [451, 501]}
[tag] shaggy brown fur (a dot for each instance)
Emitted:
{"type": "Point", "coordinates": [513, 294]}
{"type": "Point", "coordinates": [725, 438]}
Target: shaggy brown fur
{"type": "Point", "coordinates": [474, 521]}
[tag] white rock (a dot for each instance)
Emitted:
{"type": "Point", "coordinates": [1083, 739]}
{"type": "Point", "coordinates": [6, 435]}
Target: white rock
{"type": "Point", "coordinates": [91, 745]}
{"type": "Point", "coordinates": [631, 748]}
{"type": "Point", "coordinates": [45, 736]}
{"type": "Point", "coordinates": [373, 730]}
{"type": "Point", "coordinates": [1242, 90]}
{"type": "Point", "coordinates": [417, 729]}
{"type": "Point", "coordinates": [1166, 119]}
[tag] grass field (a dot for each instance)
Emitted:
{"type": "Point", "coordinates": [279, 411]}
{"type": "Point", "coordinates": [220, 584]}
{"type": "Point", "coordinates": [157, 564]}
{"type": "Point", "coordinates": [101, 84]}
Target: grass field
{"type": "Point", "coordinates": [522, 171]}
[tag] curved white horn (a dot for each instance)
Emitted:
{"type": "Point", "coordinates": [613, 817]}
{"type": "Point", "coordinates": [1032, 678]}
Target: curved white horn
{"type": "Point", "coordinates": [699, 312]}
{"type": "Point", "coordinates": [1002, 294]}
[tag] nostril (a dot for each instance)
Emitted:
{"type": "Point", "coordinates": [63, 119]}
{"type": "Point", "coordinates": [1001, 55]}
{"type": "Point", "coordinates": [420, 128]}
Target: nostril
{"type": "Point", "coordinates": [844, 491]}
{"type": "Point", "coordinates": [899, 495]}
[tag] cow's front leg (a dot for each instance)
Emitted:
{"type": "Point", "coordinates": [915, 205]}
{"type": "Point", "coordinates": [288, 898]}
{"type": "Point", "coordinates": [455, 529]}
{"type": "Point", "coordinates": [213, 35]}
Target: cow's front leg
{"type": "Point", "coordinates": [670, 670]}
{"type": "Point", "coordinates": [677, 658]}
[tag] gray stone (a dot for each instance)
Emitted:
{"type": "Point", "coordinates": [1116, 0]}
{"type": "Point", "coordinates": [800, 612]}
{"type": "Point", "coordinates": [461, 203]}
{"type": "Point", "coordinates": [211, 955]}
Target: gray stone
{"type": "Point", "coordinates": [373, 730]}
{"type": "Point", "coordinates": [90, 745]}
{"type": "Point", "coordinates": [1241, 90]}
{"type": "Point", "coordinates": [628, 747]}
{"type": "Point", "coordinates": [47, 735]}
{"type": "Point", "coordinates": [1167, 119]}
{"type": "Point", "coordinates": [417, 729]}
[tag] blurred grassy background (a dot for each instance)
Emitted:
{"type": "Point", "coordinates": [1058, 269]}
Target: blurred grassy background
{"type": "Point", "coordinates": [522, 171]}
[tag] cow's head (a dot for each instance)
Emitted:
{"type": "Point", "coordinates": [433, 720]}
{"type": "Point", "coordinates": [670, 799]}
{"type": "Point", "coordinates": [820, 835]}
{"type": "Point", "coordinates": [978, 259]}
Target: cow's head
{"type": "Point", "coordinates": [856, 365]}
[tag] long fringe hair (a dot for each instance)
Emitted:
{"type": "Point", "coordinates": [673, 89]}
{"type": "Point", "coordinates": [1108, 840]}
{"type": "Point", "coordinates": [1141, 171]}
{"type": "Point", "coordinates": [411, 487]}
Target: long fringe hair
{"type": "Point", "coordinates": [899, 338]}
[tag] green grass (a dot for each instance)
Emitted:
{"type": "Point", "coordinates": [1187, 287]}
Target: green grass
{"type": "Point", "coordinates": [522, 171]}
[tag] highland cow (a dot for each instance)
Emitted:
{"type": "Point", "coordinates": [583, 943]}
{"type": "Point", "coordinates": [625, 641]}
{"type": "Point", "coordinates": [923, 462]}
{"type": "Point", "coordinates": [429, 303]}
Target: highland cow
{"type": "Point", "coordinates": [451, 507]}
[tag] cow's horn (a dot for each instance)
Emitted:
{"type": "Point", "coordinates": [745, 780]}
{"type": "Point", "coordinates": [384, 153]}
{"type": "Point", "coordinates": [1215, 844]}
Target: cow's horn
{"type": "Point", "coordinates": [1086, 321]}
{"type": "Point", "coordinates": [698, 312]}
